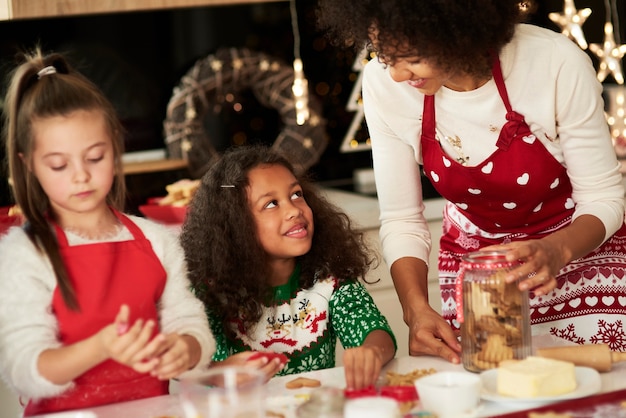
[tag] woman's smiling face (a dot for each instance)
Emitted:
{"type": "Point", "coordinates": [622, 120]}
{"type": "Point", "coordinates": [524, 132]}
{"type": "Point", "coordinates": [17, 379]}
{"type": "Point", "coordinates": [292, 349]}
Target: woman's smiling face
{"type": "Point", "coordinates": [406, 65]}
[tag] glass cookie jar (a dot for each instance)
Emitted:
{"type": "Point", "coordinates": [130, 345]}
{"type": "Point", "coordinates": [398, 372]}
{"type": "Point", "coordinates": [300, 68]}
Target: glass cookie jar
{"type": "Point", "coordinates": [494, 314]}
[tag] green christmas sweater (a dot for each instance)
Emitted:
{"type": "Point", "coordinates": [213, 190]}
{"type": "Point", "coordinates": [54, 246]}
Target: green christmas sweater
{"type": "Point", "coordinates": [304, 324]}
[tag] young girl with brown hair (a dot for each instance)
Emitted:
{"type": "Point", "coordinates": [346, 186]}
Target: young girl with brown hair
{"type": "Point", "coordinates": [95, 306]}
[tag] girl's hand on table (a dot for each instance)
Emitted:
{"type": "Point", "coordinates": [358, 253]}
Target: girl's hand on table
{"type": "Point", "coordinates": [430, 334]}
{"type": "Point", "coordinates": [362, 366]}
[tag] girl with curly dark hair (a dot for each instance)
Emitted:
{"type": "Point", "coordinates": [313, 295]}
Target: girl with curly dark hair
{"type": "Point", "coordinates": [506, 120]}
{"type": "Point", "coordinates": [277, 267]}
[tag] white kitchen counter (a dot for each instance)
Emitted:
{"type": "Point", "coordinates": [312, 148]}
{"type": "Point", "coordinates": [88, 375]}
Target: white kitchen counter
{"type": "Point", "coordinates": [285, 401]}
{"type": "Point", "coordinates": [363, 210]}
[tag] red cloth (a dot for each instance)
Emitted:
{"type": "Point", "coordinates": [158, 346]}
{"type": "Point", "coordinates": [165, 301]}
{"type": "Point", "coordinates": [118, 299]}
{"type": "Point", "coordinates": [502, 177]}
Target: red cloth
{"type": "Point", "coordinates": [522, 192]}
{"type": "Point", "coordinates": [105, 276]}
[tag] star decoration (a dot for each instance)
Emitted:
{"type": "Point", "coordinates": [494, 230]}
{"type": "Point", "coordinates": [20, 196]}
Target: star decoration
{"type": "Point", "coordinates": [615, 112]}
{"type": "Point", "coordinates": [571, 21]}
{"type": "Point", "coordinates": [610, 56]}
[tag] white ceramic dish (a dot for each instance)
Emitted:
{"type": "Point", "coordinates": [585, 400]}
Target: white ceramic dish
{"type": "Point", "coordinates": [449, 394]}
{"type": "Point", "coordinates": [588, 382]}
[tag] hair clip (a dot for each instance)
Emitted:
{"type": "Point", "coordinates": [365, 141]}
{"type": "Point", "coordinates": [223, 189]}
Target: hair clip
{"type": "Point", "coordinates": [224, 186]}
{"type": "Point", "coordinates": [46, 71]}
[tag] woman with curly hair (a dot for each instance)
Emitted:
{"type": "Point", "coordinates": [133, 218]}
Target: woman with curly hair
{"type": "Point", "coordinates": [506, 119]}
{"type": "Point", "coordinates": [277, 267]}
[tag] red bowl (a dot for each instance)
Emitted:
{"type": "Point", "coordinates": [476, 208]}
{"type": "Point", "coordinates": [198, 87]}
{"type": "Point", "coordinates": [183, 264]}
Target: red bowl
{"type": "Point", "coordinates": [7, 221]}
{"type": "Point", "coordinates": [360, 393]}
{"type": "Point", "coordinates": [166, 214]}
{"type": "Point", "coordinates": [400, 393]}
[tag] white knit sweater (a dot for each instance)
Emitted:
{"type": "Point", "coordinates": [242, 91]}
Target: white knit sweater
{"type": "Point", "coordinates": [550, 81]}
{"type": "Point", "coordinates": [27, 325]}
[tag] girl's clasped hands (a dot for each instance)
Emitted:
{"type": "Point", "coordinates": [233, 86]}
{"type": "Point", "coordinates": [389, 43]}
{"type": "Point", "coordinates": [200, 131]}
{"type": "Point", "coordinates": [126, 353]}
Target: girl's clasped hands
{"type": "Point", "coordinates": [164, 356]}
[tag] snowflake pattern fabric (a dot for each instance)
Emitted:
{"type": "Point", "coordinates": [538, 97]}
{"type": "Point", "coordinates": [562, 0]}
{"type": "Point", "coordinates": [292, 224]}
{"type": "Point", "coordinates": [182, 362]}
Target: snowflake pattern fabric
{"type": "Point", "coordinates": [588, 306]}
{"type": "Point", "coordinates": [304, 324]}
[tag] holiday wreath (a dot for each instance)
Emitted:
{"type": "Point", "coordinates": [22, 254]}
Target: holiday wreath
{"type": "Point", "coordinates": [229, 71]}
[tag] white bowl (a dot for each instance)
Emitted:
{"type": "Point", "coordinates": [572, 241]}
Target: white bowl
{"type": "Point", "coordinates": [449, 394]}
{"type": "Point", "coordinates": [371, 407]}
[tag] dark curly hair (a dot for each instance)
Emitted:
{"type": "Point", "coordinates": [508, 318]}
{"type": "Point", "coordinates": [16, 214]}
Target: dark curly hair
{"type": "Point", "coordinates": [228, 266]}
{"type": "Point", "coordinates": [451, 34]}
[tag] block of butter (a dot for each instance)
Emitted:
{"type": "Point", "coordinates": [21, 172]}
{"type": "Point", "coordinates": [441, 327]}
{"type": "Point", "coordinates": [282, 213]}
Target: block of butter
{"type": "Point", "coordinates": [534, 377]}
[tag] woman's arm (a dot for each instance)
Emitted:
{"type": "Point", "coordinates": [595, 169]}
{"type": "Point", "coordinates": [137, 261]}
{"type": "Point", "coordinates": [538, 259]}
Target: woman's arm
{"type": "Point", "coordinates": [429, 333]}
{"type": "Point", "coordinates": [404, 232]}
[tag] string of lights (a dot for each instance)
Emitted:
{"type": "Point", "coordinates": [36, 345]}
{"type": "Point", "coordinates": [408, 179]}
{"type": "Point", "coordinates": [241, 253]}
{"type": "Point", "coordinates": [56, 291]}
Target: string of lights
{"type": "Point", "coordinates": [300, 86]}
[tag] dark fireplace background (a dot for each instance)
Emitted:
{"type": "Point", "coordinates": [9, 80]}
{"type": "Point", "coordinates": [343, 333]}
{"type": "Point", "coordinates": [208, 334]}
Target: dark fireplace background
{"type": "Point", "coordinates": [138, 57]}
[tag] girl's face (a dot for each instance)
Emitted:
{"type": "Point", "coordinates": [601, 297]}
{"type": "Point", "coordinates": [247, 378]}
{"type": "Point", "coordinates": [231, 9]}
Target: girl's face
{"type": "Point", "coordinates": [73, 160]}
{"type": "Point", "coordinates": [284, 221]}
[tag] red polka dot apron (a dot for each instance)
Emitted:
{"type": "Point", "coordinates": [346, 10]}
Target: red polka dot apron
{"type": "Point", "coordinates": [522, 192]}
{"type": "Point", "coordinates": [105, 276]}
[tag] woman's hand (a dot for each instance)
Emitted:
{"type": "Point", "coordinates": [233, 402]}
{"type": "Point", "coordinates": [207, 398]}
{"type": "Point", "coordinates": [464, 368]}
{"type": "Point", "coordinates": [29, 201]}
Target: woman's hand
{"type": "Point", "coordinates": [542, 260]}
{"type": "Point", "coordinates": [430, 334]}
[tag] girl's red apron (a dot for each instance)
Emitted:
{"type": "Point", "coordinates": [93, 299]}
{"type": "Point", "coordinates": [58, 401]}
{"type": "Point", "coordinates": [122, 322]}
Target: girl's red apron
{"type": "Point", "coordinates": [522, 192]}
{"type": "Point", "coordinates": [105, 276]}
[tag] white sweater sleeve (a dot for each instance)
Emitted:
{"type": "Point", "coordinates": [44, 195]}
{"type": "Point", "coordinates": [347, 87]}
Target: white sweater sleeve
{"type": "Point", "coordinates": [585, 140]}
{"type": "Point", "coordinates": [27, 324]}
{"type": "Point", "coordinates": [549, 80]}
{"type": "Point", "coordinates": [394, 131]}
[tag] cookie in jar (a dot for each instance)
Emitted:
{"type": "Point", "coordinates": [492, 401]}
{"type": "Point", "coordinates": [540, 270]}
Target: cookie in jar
{"type": "Point", "coordinates": [494, 314]}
